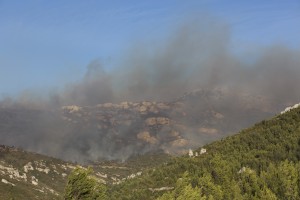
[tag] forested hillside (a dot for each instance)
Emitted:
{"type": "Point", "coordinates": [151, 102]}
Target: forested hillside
{"type": "Point", "coordinates": [261, 162]}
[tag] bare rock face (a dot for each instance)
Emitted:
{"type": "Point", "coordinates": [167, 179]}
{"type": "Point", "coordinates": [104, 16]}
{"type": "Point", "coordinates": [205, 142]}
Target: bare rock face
{"type": "Point", "coordinates": [146, 137]}
{"type": "Point", "coordinates": [162, 121]}
{"type": "Point", "coordinates": [152, 121]}
{"type": "Point", "coordinates": [71, 109]}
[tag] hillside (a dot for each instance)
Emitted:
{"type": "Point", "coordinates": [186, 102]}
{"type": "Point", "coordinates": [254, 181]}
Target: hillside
{"type": "Point", "coordinates": [27, 175]}
{"type": "Point", "coordinates": [261, 162]}
{"type": "Point", "coordinates": [113, 131]}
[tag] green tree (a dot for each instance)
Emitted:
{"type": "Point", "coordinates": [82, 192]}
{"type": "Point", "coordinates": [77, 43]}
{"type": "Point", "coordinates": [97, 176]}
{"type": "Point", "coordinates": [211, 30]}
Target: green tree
{"type": "Point", "coordinates": [83, 186]}
{"type": "Point", "coordinates": [267, 194]}
{"type": "Point", "coordinates": [209, 188]}
{"type": "Point", "coordinates": [184, 190]}
{"type": "Point", "coordinates": [288, 177]}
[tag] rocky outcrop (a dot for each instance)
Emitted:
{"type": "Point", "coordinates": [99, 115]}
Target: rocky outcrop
{"type": "Point", "coordinates": [287, 109]}
{"type": "Point", "coordinates": [156, 121]}
{"type": "Point", "coordinates": [146, 137]}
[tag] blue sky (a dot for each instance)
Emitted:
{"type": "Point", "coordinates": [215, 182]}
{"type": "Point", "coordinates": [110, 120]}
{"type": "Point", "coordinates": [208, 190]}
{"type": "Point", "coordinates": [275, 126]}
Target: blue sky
{"type": "Point", "coordinates": [45, 44]}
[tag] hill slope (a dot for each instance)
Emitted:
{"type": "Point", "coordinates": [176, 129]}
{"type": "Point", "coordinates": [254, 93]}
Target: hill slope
{"type": "Point", "coordinates": [261, 162]}
{"type": "Point", "coordinates": [26, 175]}
{"type": "Point", "coordinates": [118, 131]}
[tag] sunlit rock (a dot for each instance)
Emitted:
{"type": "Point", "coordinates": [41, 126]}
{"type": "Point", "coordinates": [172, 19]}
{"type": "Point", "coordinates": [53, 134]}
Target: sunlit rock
{"type": "Point", "coordinates": [146, 137]}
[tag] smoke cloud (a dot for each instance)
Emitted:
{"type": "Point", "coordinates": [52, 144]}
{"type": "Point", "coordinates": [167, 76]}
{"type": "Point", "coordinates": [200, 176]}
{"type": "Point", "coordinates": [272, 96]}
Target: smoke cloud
{"type": "Point", "coordinates": [195, 56]}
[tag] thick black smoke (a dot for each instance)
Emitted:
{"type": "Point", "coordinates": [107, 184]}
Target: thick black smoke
{"type": "Point", "coordinates": [195, 56]}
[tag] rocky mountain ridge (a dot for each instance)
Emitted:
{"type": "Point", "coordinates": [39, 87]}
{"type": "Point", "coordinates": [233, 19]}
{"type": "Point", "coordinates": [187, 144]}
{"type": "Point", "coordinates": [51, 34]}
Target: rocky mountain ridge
{"type": "Point", "coordinates": [120, 130]}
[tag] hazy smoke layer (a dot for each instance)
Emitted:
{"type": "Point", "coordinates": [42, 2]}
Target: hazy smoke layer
{"type": "Point", "coordinates": [197, 55]}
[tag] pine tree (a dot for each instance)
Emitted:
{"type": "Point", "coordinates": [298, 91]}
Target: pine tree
{"type": "Point", "coordinates": [83, 186]}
